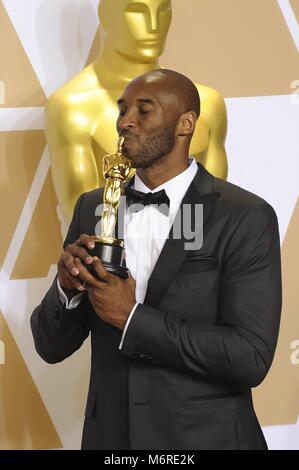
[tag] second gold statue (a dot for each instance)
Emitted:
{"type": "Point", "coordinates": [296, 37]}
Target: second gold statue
{"type": "Point", "coordinates": [110, 250]}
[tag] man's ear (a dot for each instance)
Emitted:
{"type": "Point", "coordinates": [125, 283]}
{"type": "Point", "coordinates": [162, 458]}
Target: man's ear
{"type": "Point", "coordinates": [186, 123]}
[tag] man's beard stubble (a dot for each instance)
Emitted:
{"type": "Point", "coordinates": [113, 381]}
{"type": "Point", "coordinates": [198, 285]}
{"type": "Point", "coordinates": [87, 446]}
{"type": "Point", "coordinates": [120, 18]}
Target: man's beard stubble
{"type": "Point", "coordinates": [149, 149]}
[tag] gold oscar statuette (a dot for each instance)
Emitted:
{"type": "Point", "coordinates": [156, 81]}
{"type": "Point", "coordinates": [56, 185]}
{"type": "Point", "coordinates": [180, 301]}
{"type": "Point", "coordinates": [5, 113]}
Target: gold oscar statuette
{"type": "Point", "coordinates": [110, 250]}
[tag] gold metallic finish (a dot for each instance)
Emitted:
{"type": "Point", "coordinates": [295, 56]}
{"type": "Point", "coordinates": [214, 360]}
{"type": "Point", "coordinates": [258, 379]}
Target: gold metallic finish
{"type": "Point", "coordinates": [116, 170]}
{"type": "Point", "coordinates": [108, 240]}
{"type": "Point", "coordinates": [81, 116]}
{"type": "Point", "coordinates": [120, 145]}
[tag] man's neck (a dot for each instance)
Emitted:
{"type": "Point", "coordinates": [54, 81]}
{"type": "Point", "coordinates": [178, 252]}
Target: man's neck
{"type": "Point", "coordinates": [115, 70]}
{"type": "Point", "coordinates": [158, 174]}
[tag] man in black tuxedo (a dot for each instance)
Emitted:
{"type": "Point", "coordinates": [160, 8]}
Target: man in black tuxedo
{"type": "Point", "coordinates": [177, 347]}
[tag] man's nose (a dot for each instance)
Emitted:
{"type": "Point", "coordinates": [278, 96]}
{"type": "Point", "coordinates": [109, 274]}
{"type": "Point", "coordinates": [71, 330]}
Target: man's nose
{"type": "Point", "coordinates": [127, 121]}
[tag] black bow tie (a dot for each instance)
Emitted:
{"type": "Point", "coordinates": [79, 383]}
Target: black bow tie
{"type": "Point", "coordinates": [139, 199]}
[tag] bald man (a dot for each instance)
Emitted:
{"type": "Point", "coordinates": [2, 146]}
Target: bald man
{"type": "Point", "coordinates": [176, 347]}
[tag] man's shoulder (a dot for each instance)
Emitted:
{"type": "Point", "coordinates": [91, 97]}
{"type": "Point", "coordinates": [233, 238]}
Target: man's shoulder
{"type": "Point", "coordinates": [239, 201]}
{"type": "Point", "coordinates": [231, 195]}
{"type": "Point", "coordinates": [91, 198]}
{"type": "Point", "coordinates": [93, 195]}
{"type": "Point", "coordinates": [234, 194]}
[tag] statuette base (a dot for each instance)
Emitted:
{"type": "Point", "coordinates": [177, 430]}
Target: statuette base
{"type": "Point", "coordinates": [111, 255]}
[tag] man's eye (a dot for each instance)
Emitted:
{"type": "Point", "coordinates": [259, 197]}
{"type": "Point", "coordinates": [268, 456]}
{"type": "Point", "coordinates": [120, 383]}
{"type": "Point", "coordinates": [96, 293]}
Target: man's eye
{"type": "Point", "coordinates": [122, 112]}
{"type": "Point", "coordinates": [144, 111]}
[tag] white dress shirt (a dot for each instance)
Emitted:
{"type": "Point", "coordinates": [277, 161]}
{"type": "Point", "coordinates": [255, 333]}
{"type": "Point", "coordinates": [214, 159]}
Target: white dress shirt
{"type": "Point", "coordinates": [145, 233]}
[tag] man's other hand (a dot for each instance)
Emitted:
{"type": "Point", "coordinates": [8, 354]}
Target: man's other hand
{"type": "Point", "coordinates": [68, 271]}
{"type": "Point", "coordinates": [111, 297]}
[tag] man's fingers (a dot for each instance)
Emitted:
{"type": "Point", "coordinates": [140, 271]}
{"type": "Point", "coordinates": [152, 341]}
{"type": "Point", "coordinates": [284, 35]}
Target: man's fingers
{"type": "Point", "coordinates": [71, 262]}
{"type": "Point", "coordinates": [85, 275]}
{"type": "Point", "coordinates": [68, 281]}
{"type": "Point", "coordinates": [102, 275]}
{"type": "Point", "coordinates": [77, 285]}
{"type": "Point", "coordinates": [87, 241]}
{"type": "Point", "coordinates": [100, 270]}
{"type": "Point", "coordinates": [131, 279]}
{"type": "Point", "coordinates": [68, 261]}
{"type": "Point", "coordinates": [79, 252]}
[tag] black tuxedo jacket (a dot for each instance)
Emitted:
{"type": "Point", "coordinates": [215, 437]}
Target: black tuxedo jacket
{"type": "Point", "coordinates": [204, 336]}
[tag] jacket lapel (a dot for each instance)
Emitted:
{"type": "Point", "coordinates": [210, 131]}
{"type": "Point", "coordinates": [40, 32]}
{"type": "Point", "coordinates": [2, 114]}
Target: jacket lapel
{"type": "Point", "coordinates": [174, 252]}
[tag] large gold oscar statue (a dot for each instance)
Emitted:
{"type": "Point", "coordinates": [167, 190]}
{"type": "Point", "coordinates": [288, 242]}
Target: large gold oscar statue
{"type": "Point", "coordinates": [81, 116]}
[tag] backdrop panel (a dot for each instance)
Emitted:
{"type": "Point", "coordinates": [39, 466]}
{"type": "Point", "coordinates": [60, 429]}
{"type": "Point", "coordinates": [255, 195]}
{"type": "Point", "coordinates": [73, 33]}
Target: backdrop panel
{"type": "Point", "coordinates": [248, 50]}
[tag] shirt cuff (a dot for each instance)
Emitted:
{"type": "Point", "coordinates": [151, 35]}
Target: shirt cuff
{"type": "Point", "coordinates": [68, 304]}
{"type": "Point", "coordinates": [126, 325]}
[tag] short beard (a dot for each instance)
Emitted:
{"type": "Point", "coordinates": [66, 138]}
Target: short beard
{"type": "Point", "coordinates": [151, 149]}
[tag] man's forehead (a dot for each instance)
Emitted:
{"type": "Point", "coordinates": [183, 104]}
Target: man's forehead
{"type": "Point", "coordinates": [149, 87]}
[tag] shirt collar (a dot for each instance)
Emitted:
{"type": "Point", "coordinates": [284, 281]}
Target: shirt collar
{"type": "Point", "coordinates": [175, 188]}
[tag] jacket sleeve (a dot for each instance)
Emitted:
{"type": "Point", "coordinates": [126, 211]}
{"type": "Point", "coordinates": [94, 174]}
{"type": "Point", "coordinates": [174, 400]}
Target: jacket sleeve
{"type": "Point", "coordinates": [240, 347]}
{"type": "Point", "coordinates": [57, 331]}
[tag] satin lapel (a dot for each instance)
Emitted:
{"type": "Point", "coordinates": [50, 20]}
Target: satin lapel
{"type": "Point", "coordinates": [173, 252]}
